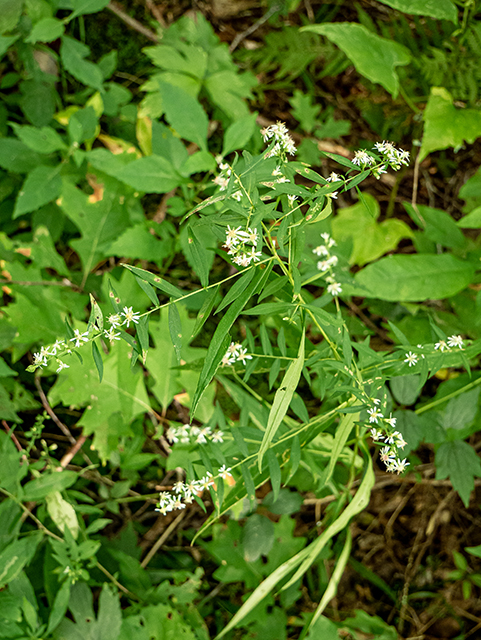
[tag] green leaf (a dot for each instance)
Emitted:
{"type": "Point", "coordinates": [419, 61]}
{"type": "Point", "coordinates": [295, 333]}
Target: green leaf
{"type": "Point", "coordinates": [41, 140]}
{"type": "Point", "coordinates": [42, 185]}
{"type": "Point", "coordinates": [370, 239]}
{"type": "Point", "coordinates": [6, 42]}
{"type": "Point", "coordinates": [109, 618]}
{"type": "Point", "coordinates": [10, 12]}
{"type": "Point", "coordinates": [15, 556]}
{"type": "Point", "coordinates": [59, 607]}
{"type": "Point", "coordinates": [472, 220]}
{"type": "Point", "coordinates": [73, 54]}
{"type": "Point", "coordinates": [98, 360]}
{"type": "Point", "coordinates": [446, 126]}
{"type": "Point", "coordinates": [342, 434]}
{"type": "Point", "coordinates": [83, 7]}
{"type": "Point", "coordinates": [48, 483]}
{"type": "Point", "coordinates": [405, 389]}
{"type": "Point", "coordinates": [96, 316]}
{"type": "Point", "coordinates": [46, 30]}
{"type": "Point", "coordinates": [374, 57]}
{"type": "Point", "coordinates": [458, 461]}
{"type": "Point", "coordinates": [218, 344]}
{"type": "Point", "coordinates": [152, 174]}
{"type": "Point", "coordinates": [239, 133]}
{"type": "Point", "coordinates": [156, 281]}
{"type": "Point", "coordinates": [185, 114]}
{"type": "Point", "coordinates": [198, 255]}
{"type": "Point", "coordinates": [438, 226]}
{"type": "Point", "coordinates": [258, 537]}
{"type": "Point", "coordinates": [282, 400]}
{"type": "Point", "coordinates": [440, 9]}
{"type": "Point", "coordinates": [148, 290]}
{"type": "Point", "coordinates": [286, 503]}
{"type": "Point", "coordinates": [175, 330]}
{"type": "Point", "coordinates": [62, 513]}
{"type": "Point", "coordinates": [205, 310]}
{"type": "Point", "coordinates": [274, 472]}
{"type": "Point", "coordinates": [461, 411]}
{"type": "Point", "coordinates": [402, 278]}
{"type": "Point", "coordinates": [237, 288]}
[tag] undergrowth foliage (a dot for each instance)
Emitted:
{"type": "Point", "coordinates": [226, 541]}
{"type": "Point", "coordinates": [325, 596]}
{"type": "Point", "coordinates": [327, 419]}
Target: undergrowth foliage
{"type": "Point", "coordinates": [223, 350]}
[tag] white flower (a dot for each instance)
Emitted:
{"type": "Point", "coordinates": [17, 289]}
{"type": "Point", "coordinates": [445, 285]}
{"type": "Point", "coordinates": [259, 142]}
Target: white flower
{"type": "Point", "coordinates": [254, 255]}
{"type": "Point", "coordinates": [400, 442]}
{"type": "Point", "coordinates": [224, 473]}
{"type": "Point", "coordinates": [441, 345]}
{"type": "Point", "coordinates": [227, 360]}
{"type": "Point", "coordinates": [400, 465]}
{"type": "Point", "coordinates": [391, 421]}
{"type": "Point", "coordinates": [363, 159]}
{"type": "Point", "coordinates": [330, 242]}
{"type": "Point", "coordinates": [291, 198]}
{"type": "Point", "coordinates": [374, 415]}
{"type": "Point", "coordinates": [62, 365]}
{"type": "Point", "coordinates": [59, 344]}
{"type": "Point", "coordinates": [376, 401]}
{"type": "Point", "coordinates": [280, 134]}
{"type": "Point", "coordinates": [111, 335]}
{"type": "Point", "coordinates": [39, 360]}
{"type": "Point", "coordinates": [321, 250]}
{"type": "Point", "coordinates": [376, 434]}
{"type": "Point", "coordinates": [333, 178]}
{"type": "Point", "coordinates": [178, 487]}
{"type": "Point", "coordinates": [334, 288]}
{"type": "Point", "coordinates": [79, 338]}
{"type": "Point", "coordinates": [333, 194]}
{"type": "Point", "coordinates": [115, 320]}
{"type": "Point", "coordinates": [207, 481]}
{"type": "Point", "coordinates": [130, 316]}
{"type": "Point", "coordinates": [323, 265]}
{"type": "Point", "coordinates": [242, 357]}
{"type": "Point", "coordinates": [217, 436]}
{"type": "Point", "coordinates": [232, 236]}
{"type": "Point", "coordinates": [387, 455]}
{"type": "Point", "coordinates": [455, 341]}
{"type": "Point", "coordinates": [171, 435]}
{"type": "Point", "coordinates": [411, 359]}
{"type": "Point", "coordinates": [250, 235]}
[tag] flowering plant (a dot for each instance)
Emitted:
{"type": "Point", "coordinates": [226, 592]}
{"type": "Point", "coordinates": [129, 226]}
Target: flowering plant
{"type": "Point", "coordinates": [274, 235]}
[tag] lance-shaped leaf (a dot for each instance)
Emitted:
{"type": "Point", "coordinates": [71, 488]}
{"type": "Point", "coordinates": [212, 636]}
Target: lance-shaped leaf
{"type": "Point", "coordinates": [282, 400]}
{"type": "Point", "coordinates": [216, 349]}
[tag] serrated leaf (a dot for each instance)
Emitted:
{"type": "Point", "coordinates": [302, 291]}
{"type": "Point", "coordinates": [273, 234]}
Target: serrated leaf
{"type": "Point", "coordinates": [185, 114]}
{"type": "Point", "coordinates": [84, 7]}
{"type": "Point", "coordinates": [41, 186]}
{"type": "Point", "coordinates": [239, 133]}
{"type": "Point", "coordinates": [458, 461]}
{"type": "Point", "coordinates": [46, 30]}
{"type": "Point", "coordinates": [152, 174]}
{"type": "Point", "coordinates": [440, 9]}
{"type": "Point", "coordinates": [374, 57]}
{"type": "Point", "coordinates": [73, 54]}
{"type": "Point", "coordinates": [282, 400]}
{"type": "Point", "coordinates": [258, 537]}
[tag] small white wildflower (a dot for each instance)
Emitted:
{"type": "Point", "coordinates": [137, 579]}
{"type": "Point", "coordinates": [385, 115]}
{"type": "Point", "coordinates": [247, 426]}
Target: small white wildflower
{"type": "Point", "coordinates": [178, 487]}
{"type": "Point", "coordinates": [400, 465]}
{"type": "Point", "coordinates": [333, 194]}
{"type": "Point", "coordinates": [242, 357]}
{"type": "Point", "coordinates": [130, 316]}
{"type": "Point", "coordinates": [62, 365]}
{"type": "Point", "coordinates": [441, 345]}
{"type": "Point", "coordinates": [400, 442]}
{"type": "Point", "coordinates": [39, 360]}
{"type": "Point", "coordinates": [330, 242]}
{"type": "Point", "coordinates": [171, 435]}
{"type": "Point", "coordinates": [232, 236]}
{"type": "Point", "coordinates": [217, 436]}
{"type": "Point", "coordinates": [59, 344]}
{"type": "Point", "coordinates": [455, 341]}
{"type": "Point", "coordinates": [376, 434]}
{"type": "Point", "coordinates": [411, 359]}
{"type": "Point", "coordinates": [291, 199]}
{"type": "Point", "coordinates": [334, 288]}
{"type": "Point", "coordinates": [115, 320]}
{"type": "Point", "coordinates": [386, 454]}
{"type": "Point", "coordinates": [321, 250]}
{"type": "Point", "coordinates": [333, 178]}
{"type": "Point", "coordinates": [224, 473]}
{"type": "Point", "coordinates": [323, 265]}
{"type": "Point", "coordinates": [363, 159]}
{"type": "Point", "coordinates": [80, 338]}
{"type": "Point", "coordinates": [376, 401]}
{"type": "Point", "coordinates": [207, 481]}
{"type": "Point", "coordinates": [111, 335]}
{"type": "Point", "coordinates": [374, 415]}
{"type": "Point", "coordinates": [391, 421]}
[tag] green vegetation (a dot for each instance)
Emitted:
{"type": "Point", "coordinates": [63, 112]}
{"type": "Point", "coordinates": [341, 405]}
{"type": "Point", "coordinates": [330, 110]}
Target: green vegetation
{"type": "Point", "coordinates": [213, 320]}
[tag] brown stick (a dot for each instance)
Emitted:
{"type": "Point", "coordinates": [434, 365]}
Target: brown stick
{"type": "Point", "coordinates": [132, 22]}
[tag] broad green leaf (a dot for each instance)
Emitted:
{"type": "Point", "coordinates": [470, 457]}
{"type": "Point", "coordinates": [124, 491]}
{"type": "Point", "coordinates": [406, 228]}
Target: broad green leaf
{"type": "Point", "coordinates": [10, 12]}
{"type": "Point", "coordinates": [370, 239]}
{"type": "Point", "coordinates": [472, 220]}
{"type": "Point", "coordinates": [440, 9]}
{"type": "Point", "coordinates": [48, 483]}
{"type": "Point", "coordinates": [217, 345]}
{"type": "Point", "coordinates": [227, 90]}
{"type": "Point", "coordinates": [239, 133]}
{"type": "Point", "coordinates": [62, 513]}
{"type": "Point", "coordinates": [138, 242]}
{"type": "Point", "coordinates": [461, 411]}
{"type": "Point", "coordinates": [6, 42]}
{"type": "Point", "coordinates": [282, 400]}
{"type": "Point", "coordinates": [458, 461]}
{"type": "Point", "coordinates": [187, 58]}
{"type": "Point", "coordinates": [185, 115]}
{"type": "Point", "coordinates": [258, 537]}
{"type": "Point", "coordinates": [46, 30]}
{"type": "Point", "coordinates": [374, 57]}
{"type": "Point", "coordinates": [446, 126]}
{"type": "Point", "coordinates": [42, 185]}
{"type": "Point", "coordinates": [15, 556]}
{"type": "Point", "coordinates": [438, 226]}
{"type": "Point", "coordinates": [152, 174]}
{"type": "Point", "coordinates": [414, 277]}
{"type": "Point", "coordinates": [73, 54]}
{"type": "Point", "coordinates": [109, 617]}
{"type": "Point", "coordinates": [405, 389]}
{"type": "Point", "coordinates": [83, 7]}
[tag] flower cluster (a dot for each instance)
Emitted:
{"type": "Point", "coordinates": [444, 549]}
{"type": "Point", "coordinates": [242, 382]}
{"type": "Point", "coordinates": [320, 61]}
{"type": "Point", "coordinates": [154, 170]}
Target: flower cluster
{"type": "Point", "coordinates": [453, 342]}
{"type": "Point", "coordinates": [186, 492]}
{"type": "Point", "coordinates": [393, 440]}
{"type": "Point", "coordinates": [79, 339]}
{"type": "Point", "coordinates": [284, 144]}
{"type": "Point", "coordinates": [395, 158]}
{"type": "Point", "coordinates": [328, 261]}
{"type": "Point", "coordinates": [242, 245]}
{"type": "Point", "coordinates": [187, 434]}
{"type": "Point", "coordinates": [235, 353]}
{"type": "Point", "coordinates": [222, 180]}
